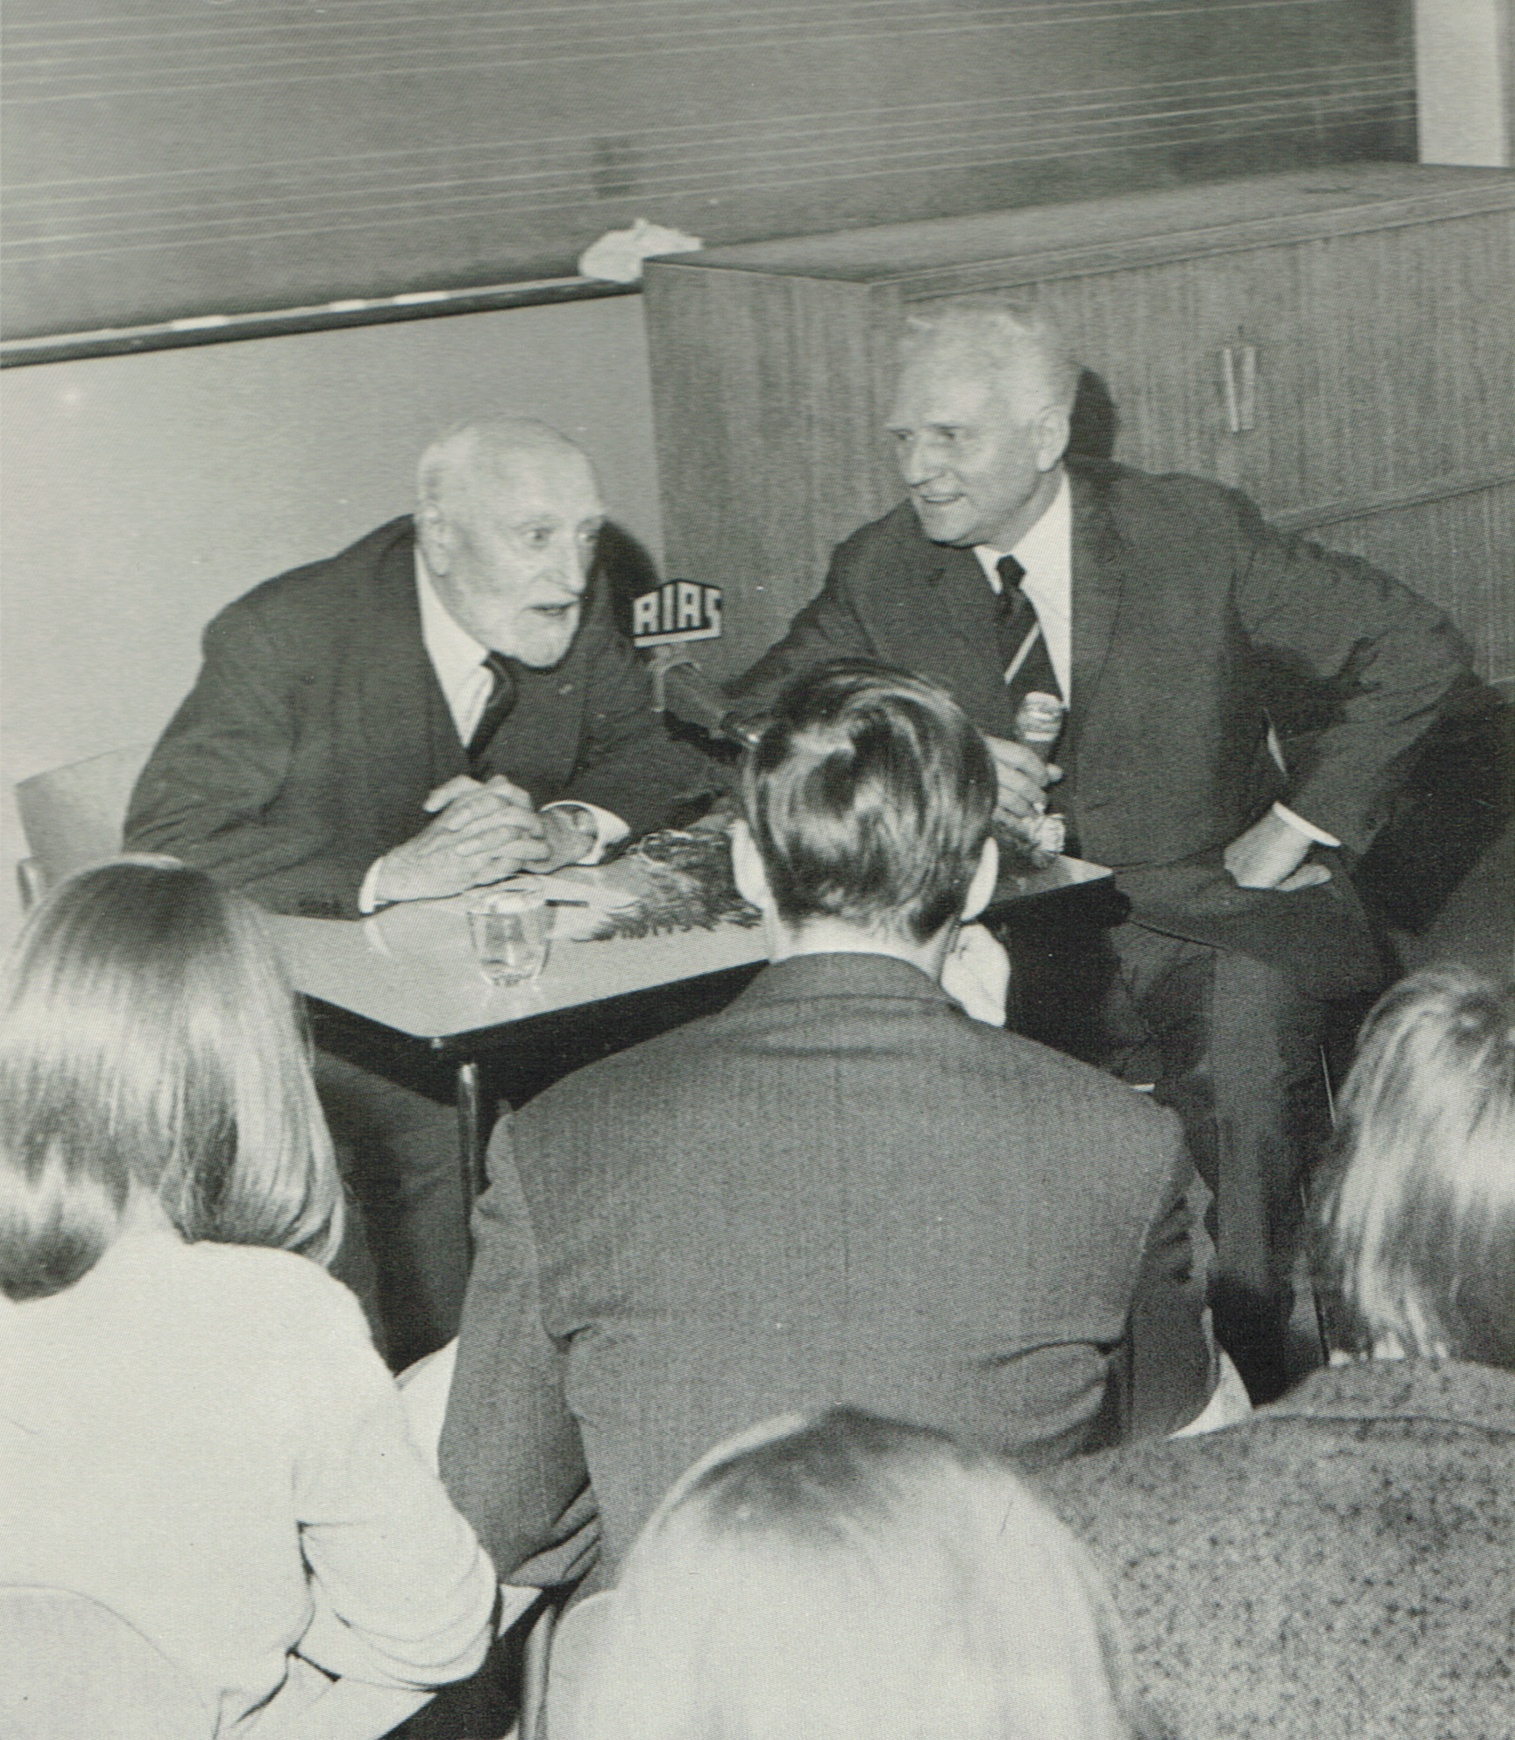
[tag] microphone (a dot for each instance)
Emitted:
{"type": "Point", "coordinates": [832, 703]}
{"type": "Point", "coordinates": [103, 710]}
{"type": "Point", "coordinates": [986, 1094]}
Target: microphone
{"type": "Point", "coordinates": [680, 687]}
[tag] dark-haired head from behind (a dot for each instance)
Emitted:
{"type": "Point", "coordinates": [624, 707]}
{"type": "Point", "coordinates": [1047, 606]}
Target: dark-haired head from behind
{"type": "Point", "coordinates": [869, 797]}
{"type": "Point", "coordinates": [151, 1063]}
{"type": "Point", "coordinates": [1418, 1228]}
{"type": "Point", "coordinates": [844, 1577]}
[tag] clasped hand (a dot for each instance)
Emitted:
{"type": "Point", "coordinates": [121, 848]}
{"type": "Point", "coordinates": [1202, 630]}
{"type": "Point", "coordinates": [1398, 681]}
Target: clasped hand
{"type": "Point", "coordinates": [480, 833]}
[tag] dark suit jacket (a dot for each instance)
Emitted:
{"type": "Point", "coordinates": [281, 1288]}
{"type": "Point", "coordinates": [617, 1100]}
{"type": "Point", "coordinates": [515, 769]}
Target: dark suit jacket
{"type": "Point", "coordinates": [840, 1188]}
{"type": "Point", "coordinates": [1339, 1567]}
{"type": "Point", "coordinates": [317, 726]}
{"type": "Point", "coordinates": [1189, 616]}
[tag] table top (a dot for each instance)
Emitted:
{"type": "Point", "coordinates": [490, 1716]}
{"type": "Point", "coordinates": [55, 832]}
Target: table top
{"type": "Point", "coordinates": [410, 968]}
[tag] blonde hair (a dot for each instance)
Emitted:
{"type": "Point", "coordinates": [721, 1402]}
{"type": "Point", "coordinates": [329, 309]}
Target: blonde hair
{"type": "Point", "coordinates": [1418, 1224]}
{"type": "Point", "coordinates": [849, 1577]}
{"type": "Point", "coordinates": [997, 334]}
{"type": "Point", "coordinates": [148, 1043]}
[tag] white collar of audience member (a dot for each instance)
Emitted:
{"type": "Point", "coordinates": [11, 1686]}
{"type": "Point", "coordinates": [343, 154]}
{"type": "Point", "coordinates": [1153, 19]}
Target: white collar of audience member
{"type": "Point", "coordinates": [836, 936]}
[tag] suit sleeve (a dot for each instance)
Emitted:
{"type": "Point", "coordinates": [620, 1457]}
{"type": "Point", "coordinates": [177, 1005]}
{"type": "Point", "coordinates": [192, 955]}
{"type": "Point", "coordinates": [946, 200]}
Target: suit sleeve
{"type": "Point", "coordinates": [829, 627]}
{"type": "Point", "coordinates": [627, 762]}
{"type": "Point", "coordinates": [1385, 658]}
{"type": "Point", "coordinates": [209, 792]}
{"type": "Point", "coordinates": [511, 1456]}
{"type": "Point", "coordinates": [1170, 1364]}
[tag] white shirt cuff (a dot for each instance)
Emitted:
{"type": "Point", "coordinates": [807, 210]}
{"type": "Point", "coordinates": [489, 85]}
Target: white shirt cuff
{"type": "Point", "coordinates": [1319, 835]}
{"type": "Point", "coordinates": [609, 829]}
{"type": "Point", "coordinates": [368, 899]}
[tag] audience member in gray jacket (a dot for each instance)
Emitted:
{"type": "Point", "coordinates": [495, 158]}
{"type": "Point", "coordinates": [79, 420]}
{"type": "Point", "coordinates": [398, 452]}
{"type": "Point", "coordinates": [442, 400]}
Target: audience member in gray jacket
{"type": "Point", "coordinates": [840, 1189]}
{"type": "Point", "coordinates": [1342, 1566]}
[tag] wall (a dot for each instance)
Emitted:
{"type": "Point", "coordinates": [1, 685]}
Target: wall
{"type": "Point", "coordinates": [138, 494]}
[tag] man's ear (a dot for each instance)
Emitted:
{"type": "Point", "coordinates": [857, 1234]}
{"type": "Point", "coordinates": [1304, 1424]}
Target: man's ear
{"type": "Point", "coordinates": [984, 879]}
{"type": "Point", "coordinates": [747, 867]}
{"type": "Point", "coordinates": [434, 535]}
{"type": "Point", "coordinates": [1051, 432]}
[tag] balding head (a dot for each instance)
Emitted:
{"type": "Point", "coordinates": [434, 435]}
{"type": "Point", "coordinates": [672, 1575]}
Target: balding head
{"type": "Point", "coordinates": [507, 514]}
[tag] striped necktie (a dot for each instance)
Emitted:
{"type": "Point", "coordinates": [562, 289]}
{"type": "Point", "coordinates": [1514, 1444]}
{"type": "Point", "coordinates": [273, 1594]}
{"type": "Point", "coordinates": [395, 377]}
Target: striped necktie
{"type": "Point", "coordinates": [1017, 621]}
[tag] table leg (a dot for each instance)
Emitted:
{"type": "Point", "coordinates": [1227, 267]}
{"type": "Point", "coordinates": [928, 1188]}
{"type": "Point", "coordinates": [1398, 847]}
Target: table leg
{"type": "Point", "coordinates": [471, 1134]}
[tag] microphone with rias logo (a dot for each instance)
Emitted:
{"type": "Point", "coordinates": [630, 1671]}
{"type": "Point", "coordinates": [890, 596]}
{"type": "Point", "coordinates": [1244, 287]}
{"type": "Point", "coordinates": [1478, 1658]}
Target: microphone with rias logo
{"type": "Point", "coordinates": [664, 623]}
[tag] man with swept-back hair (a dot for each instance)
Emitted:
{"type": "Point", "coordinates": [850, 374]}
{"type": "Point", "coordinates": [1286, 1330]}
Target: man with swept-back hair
{"type": "Point", "coordinates": [1167, 625]}
{"type": "Point", "coordinates": [444, 703]}
{"type": "Point", "coordinates": [841, 1188]}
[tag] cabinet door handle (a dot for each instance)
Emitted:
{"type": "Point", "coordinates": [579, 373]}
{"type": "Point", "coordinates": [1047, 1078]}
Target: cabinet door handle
{"type": "Point", "coordinates": [1241, 393]}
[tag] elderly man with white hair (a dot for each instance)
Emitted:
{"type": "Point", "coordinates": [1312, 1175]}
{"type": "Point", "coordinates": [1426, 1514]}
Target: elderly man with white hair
{"type": "Point", "coordinates": [442, 704]}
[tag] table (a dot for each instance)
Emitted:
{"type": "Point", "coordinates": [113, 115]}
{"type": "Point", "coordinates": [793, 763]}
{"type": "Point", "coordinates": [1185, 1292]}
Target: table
{"type": "Point", "coordinates": [400, 993]}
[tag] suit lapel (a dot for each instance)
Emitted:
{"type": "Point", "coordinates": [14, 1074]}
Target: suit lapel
{"type": "Point", "coordinates": [1099, 573]}
{"type": "Point", "coordinates": [942, 624]}
{"type": "Point", "coordinates": [402, 705]}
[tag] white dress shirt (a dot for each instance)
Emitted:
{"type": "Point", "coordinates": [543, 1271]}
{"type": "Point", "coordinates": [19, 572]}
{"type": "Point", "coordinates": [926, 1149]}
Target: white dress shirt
{"type": "Point", "coordinates": [1046, 554]}
{"type": "Point", "coordinates": [466, 683]}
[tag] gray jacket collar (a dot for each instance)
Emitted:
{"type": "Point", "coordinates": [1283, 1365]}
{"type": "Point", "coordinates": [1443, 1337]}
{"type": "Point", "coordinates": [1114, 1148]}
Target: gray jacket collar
{"type": "Point", "coordinates": [1451, 1391]}
{"type": "Point", "coordinates": [803, 977]}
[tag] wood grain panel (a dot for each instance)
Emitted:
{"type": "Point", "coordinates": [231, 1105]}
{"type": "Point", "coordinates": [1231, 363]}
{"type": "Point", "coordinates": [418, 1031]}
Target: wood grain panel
{"type": "Point", "coordinates": [1026, 245]}
{"type": "Point", "coordinates": [1460, 553]}
{"type": "Point", "coordinates": [1153, 337]}
{"type": "Point", "coordinates": [1382, 358]}
{"type": "Point", "coordinates": [1375, 359]}
{"type": "Point", "coordinates": [758, 405]}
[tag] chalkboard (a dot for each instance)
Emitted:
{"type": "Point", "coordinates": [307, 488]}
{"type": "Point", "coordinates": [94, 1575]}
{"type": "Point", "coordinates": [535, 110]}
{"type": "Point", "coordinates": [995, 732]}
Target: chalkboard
{"type": "Point", "coordinates": [169, 158]}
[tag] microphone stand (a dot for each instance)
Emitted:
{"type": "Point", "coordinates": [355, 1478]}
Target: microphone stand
{"type": "Point", "coordinates": [680, 687]}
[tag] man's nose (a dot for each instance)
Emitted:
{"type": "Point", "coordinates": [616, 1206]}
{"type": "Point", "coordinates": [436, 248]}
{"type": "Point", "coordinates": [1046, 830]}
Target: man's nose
{"type": "Point", "coordinates": [568, 567]}
{"type": "Point", "coordinates": [917, 460]}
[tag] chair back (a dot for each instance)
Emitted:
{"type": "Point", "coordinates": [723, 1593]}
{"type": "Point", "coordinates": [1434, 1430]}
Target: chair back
{"type": "Point", "coordinates": [70, 1667]}
{"type": "Point", "coordinates": [74, 815]}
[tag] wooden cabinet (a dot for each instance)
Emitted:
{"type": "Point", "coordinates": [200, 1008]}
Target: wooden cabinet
{"type": "Point", "coordinates": [1371, 310]}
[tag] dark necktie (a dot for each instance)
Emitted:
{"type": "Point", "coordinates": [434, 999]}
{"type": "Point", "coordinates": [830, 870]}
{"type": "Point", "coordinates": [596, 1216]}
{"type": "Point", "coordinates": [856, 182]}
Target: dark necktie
{"type": "Point", "coordinates": [501, 699]}
{"type": "Point", "coordinates": [1017, 618]}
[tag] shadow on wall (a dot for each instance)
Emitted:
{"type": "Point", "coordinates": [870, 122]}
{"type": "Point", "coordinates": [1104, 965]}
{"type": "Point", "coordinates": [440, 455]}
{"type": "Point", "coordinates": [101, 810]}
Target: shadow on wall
{"type": "Point", "coordinates": [627, 569]}
{"type": "Point", "coordinates": [1095, 422]}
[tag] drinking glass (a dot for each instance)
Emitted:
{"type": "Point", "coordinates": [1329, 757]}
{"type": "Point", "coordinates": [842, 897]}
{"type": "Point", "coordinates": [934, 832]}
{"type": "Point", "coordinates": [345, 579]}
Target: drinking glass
{"type": "Point", "coordinates": [510, 929]}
